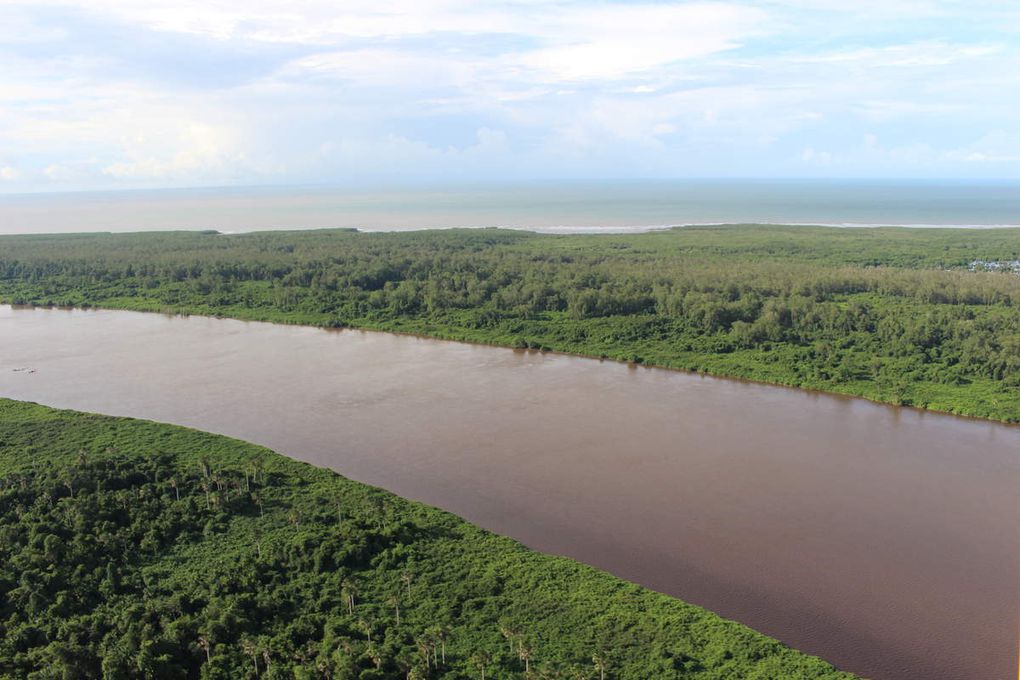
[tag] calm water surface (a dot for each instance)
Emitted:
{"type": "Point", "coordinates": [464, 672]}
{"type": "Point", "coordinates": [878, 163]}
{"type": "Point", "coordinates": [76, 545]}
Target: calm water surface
{"type": "Point", "coordinates": [549, 206]}
{"type": "Point", "coordinates": [883, 539]}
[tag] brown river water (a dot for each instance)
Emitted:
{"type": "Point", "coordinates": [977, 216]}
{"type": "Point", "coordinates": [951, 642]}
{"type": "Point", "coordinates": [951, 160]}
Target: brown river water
{"type": "Point", "coordinates": [882, 539]}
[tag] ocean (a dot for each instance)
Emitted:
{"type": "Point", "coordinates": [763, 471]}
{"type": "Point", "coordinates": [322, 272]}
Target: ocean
{"type": "Point", "coordinates": [552, 207]}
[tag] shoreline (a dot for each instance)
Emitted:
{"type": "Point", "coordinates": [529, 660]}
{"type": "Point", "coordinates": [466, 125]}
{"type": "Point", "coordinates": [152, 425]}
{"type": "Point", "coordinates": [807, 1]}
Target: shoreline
{"type": "Point", "coordinates": [309, 392]}
{"type": "Point", "coordinates": [549, 229]}
{"type": "Point", "coordinates": [438, 337]}
{"type": "Point", "coordinates": [514, 558]}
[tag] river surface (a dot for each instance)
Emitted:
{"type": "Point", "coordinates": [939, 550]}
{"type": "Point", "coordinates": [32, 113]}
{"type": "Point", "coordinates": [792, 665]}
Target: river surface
{"type": "Point", "coordinates": [882, 539]}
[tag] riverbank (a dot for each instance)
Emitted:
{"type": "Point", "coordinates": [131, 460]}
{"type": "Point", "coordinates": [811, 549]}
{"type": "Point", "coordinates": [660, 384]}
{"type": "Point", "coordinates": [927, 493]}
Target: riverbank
{"type": "Point", "coordinates": [891, 315]}
{"type": "Point", "coordinates": [833, 524]}
{"type": "Point", "coordinates": [984, 401]}
{"type": "Point", "coordinates": [268, 560]}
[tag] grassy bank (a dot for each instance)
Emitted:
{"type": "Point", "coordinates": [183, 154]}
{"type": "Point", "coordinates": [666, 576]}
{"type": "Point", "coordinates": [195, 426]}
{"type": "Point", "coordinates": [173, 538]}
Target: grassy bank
{"type": "Point", "coordinates": [894, 315]}
{"type": "Point", "coordinates": [135, 549]}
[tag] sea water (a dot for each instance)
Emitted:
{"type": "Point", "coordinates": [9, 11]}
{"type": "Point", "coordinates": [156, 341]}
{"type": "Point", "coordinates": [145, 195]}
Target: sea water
{"type": "Point", "coordinates": [554, 206]}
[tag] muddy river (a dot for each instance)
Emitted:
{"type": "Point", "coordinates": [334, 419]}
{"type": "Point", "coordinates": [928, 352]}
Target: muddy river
{"type": "Point", "coordinates": [882, 539]}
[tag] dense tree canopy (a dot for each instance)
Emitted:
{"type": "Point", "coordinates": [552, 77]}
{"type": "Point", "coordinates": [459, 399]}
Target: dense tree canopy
{"type": "Point", "coordinates": [891, 314]}
{"type": "Point", "coordinates": [132, 549]}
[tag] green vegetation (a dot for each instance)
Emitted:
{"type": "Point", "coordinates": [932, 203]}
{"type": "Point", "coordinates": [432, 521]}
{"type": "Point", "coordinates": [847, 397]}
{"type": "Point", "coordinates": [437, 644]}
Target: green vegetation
{"type": "Point", "coordinates": [888, 314]}
{"type": "Point", "coordinates": [135, 549]}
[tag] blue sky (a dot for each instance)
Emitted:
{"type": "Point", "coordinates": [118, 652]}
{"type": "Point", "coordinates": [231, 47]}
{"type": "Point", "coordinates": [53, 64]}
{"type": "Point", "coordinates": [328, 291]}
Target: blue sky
{"type": "Point", "coordinates": [110, 94]}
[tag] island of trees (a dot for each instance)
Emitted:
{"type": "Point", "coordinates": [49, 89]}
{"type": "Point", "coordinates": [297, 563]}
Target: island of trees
{"type": "Point", "coordinates": [894, 315]}
{"type": "Point", "coordinates": [131, 549]}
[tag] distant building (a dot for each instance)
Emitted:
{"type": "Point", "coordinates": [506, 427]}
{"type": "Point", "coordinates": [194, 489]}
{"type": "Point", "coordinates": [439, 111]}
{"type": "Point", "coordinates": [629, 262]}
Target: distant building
{"type": "Point", "coordinates": [1000, 266]}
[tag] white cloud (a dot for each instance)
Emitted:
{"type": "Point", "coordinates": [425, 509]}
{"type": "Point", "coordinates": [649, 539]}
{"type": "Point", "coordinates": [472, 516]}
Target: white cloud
{"type": "Point", "coordinates": [192, 150]}
{"type": "Point", "coordinates": [575, 42]}
{"type": "Point", "coordinates": [984, 157]}
{"type": "Point", "coordinates": [19, 29]}
{"type": "Point", "coordinates": [605, 42]}
{"type": "Point", "coordinates": [382, 67]}
{"type": "Point", "coordinates": [7, 173]}
{"type": "Point", "coordinates": [888, 110]}
{"type": "Point", "coordinates": [308, 21]}
{"type": "Point", "coordinates": [994, 148]}
{"type": "Point", "coordinates": [319, 89]}
{"type": "Point", "coordinates": [396, 155]}
{"type": "Point", "coordinates": [490, 141]}
{"type": "Point", "coordinates": [918, 54]}
{"type": "Point", "coordinates": [809, 155]}
{"type": "Point", "coordinates": [57, 173]}
{"type": "Point", "coordinates": [696, 28]}
{"type": "Point", "coordinates": [127, 132]}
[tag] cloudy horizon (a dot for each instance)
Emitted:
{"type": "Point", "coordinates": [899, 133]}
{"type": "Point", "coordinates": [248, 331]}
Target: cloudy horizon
{"type": "Point", "coordinates": [117, 94]}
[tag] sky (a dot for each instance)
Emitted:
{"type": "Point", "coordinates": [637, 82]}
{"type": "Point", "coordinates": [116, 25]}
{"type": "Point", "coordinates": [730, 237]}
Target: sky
{"type": "Point", "coordinates": [119, 94]}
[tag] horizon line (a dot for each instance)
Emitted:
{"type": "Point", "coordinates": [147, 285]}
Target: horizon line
{"type": "Point", "coordinates": [472, 184]}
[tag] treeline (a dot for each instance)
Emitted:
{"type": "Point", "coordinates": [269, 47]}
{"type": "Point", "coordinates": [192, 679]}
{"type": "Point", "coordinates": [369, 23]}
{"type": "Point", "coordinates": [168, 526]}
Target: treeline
{"type": "Point", "coordinates": [891, 314]}
{"type": "Point", "coordinates": [130, 549]}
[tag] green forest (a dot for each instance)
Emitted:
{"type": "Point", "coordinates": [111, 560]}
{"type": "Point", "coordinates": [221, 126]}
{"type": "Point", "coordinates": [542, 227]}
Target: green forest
{"type": "Point", "coordinates": [919, 317]}
{"type": "Point", "coordinates": [135, 549]}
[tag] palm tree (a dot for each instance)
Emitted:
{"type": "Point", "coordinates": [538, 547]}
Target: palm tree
{"type": "Point", "coordinates": [406, 576]}
{"type": "Point", "coordinates": [83, 458]}
{"type": "Point", "coordinates": [259, 469]}
{"type": "Point", "coordinates": [509, 634]}
{"type": "Point", "coordinates": [366, 626]}
{"type": "Point", "coordinates": [519, 636]}
{"type": "Point", "coordinates": [394, 601]}
{"type": "Point", "coordinates": [207, 488]}
{"type": "Point", "coordinates": [266, 658]}
{"type": "Point", "coordinates": [423, 649]}
{"type": "Point", "coordinates": [600, 662]}
{"type": "Point", "coordinates": [482, 659]}
{"type": "Point", "coordinates": [68, 478]}
{"type": "Point", "coordinates": [249, 648]}
{"type": "Point", "coordinates": [374, 655]}
{"type": "Point", "coordinates": [432, 634]}
{"type": "Point", "coordinates": [256, 498]}
{"type": "Point", "coordinates": [305, 653]}
{"type": "Point", "coordinates": [173, 485]}
{"type": "Point", "coordinates": [205, 465]}
{"type": "Point", "coordinates": [203, 643]}
{"type": "Point", "coordinates": [348, 592]}
{"type": "Point", "coordinates": [525, 652]}
{"type": "Point", "coordinates": [441, 633]}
